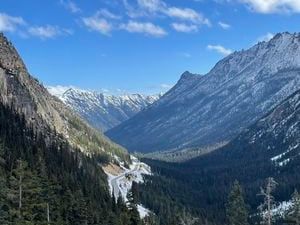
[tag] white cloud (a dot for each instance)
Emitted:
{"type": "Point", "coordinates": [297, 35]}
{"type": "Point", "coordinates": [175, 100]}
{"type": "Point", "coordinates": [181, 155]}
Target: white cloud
{"type": "Point", "coordinates": [273, 6]}
{"type": "Point", "coordinates": [185, 28]}
{"type": "Point", "coordinates": [225, 26]}
{"type": "Point", "coordinates": [10, 23]}
{"type": "Point", "coordinates": [162, 9]}
{"type": "Point", "coordinates": [107, 14]}
{"type": "Point", "coordinates": [101, 21]}
{"type": "Point", "coordinates": [105, 22]}
{"type": "Point", "coordinates": [152, 5]}
{"type": "Point", "coordinates": [145, 28]}
{"type": "Point", "coordinates": [98, 24]}
{"type": "Point", "coordinates": [266, 37]}
{"type": "Point", "coordinates": [220, 49]}
{"type": "Point", "coordinates": [183, 19]}
{"type": "Point", "coordinates": [71, 6]}
{"type": "Point", "coordinates": [48, 31]}
{"type": "Point", "coordinates": [188, 15]}
{"type": "Point", "coordinates": [131, 10]}
{"type": "Point", "coordinates": [17, 24]}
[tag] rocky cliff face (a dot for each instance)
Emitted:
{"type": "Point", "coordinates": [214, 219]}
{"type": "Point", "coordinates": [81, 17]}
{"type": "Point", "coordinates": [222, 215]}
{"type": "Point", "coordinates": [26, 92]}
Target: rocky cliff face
{"type": "Point", "coordinates": [104, 111]}
{"type": "Point", "coordinates": [23, 92]}
{"type": "Point", "coordinates": [211, 109]}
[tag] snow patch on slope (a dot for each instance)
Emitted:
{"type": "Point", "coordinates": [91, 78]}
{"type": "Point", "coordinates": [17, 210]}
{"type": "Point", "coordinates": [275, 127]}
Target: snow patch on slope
{"type": "Point", "coordinates": [278, 158]}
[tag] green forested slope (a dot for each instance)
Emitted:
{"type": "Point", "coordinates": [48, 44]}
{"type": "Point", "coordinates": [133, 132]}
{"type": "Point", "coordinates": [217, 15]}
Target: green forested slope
{"type": "Point", "coordinates": [41, 176]}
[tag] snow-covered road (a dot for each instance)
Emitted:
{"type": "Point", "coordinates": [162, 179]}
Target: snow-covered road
{"type": "Point", "coordinates": [115, 183]}
{"type": "Point", "coordinates": [121, 184]}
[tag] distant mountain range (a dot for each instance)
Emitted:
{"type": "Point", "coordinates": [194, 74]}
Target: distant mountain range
{"type": "Point", "coordinates": [209, 110]}
{"type": "Point", "coordinates": [103, 111]}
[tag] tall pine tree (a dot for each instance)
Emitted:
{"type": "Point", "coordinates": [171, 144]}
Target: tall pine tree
{"type": "Point", "coordinates": [132, 207]}
{"type": "Point", "coordinates": [4, 207]}
{"type": "Point", "coordinates": [236, 209]}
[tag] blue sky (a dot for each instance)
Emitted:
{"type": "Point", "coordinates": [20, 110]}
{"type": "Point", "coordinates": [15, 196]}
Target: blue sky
{"type": "Point", "coordinates": [136, 45]}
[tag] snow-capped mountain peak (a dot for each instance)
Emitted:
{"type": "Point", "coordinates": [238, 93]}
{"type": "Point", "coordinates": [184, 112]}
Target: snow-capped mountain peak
{"type": "Point", "coordinates": [101, 110]}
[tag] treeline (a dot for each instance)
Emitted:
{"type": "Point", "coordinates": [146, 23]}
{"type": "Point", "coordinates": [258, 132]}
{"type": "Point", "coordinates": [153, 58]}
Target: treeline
{"type": "Point", "coordinates": [45, 181]}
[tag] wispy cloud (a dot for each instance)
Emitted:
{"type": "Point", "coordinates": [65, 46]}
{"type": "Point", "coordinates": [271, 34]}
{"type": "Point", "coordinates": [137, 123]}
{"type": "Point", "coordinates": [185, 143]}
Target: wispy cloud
{"type": "Point", "coordinates": [152, 5]}
{"type": "Point", "coordinates": [188, 15]}
{"type": "Point", "coordinates": [145, 28]}
{"type": "Point", "coordinates": [159, 6]}
{"type": "Point", "coordinates": [266, 37]}
{"type": "Point", "coordinates": [160, 9]}
{"type": "Point", "coordinates": [105, 22]}
{"type": "Point", "coordinates": [98, 24]}
{"type": "Point", "coordinates": [186, 28]}
{"type": "Point", "coordinates": [220, 49]}
{"type": "Point", "coordinates": [108, 14]}
{"type": "Point", "coordinates": [10, 23]}
{"type": "Point", "coordinates": [16, 24]}
{"type": "Point", "coordinates": [71, 6]}
{"type": "Point", "coordinates": [131, 10]}
{"type": "Point", "coordinates": [48, 31]}
{"type": "Point", "coordinates": [139, 16]}
{"type": "Point", "coordinates": [224, 25]}
{"type": "Point", "coordinates": [186, 55]}
{"type": "Point", "coordinates": [273, 6]}
{"type": "Point", "coordinates": [102, 21]}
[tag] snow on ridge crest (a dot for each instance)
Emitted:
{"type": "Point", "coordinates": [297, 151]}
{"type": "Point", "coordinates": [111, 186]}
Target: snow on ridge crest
{"type": "Point", "coordinates": [102, 110]}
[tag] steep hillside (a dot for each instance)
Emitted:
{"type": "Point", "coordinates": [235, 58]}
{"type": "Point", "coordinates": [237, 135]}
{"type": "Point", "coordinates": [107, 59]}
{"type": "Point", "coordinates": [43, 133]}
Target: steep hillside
{"type": "Point", "coordinates": [28, 96]}
{"type": "Point", "coordinates": [209, 110]}
{"type": "Point", "coordinates": [44, 180]}
{"type": "Point", "coordinates": [269, 148]}
{"type": "Point", "coordinates": [104, 111]}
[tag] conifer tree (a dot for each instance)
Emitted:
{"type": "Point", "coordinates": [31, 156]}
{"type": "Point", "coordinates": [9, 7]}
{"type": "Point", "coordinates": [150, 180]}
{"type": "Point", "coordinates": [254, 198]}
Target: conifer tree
{"type": "Point", "coordinates": [120, 202]}
{"type": "Point", "coordinates": [4, 208]}
{"type": "Point", "coordinates": [25, 195]}
{"type": "Point", "coordinates": [236, 209]}
{"type": "Point", "coordinates": [135, 192]}
{"type": "Point", "coordinates": [293, 214]}
{"type": "Point", "coordinates": [133, 211]}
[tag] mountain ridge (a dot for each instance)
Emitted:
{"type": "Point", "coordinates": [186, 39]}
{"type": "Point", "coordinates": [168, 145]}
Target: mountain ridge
{"type": "Point", "coordinates": [210, 109]}
{"type": "Point", "coordinates": [104, 111]}
{"type": "Point", "coordinates": [268, 148]}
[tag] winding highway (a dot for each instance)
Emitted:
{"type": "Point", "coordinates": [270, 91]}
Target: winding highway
{"type": "Point", "coordinates": [115, 181]}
